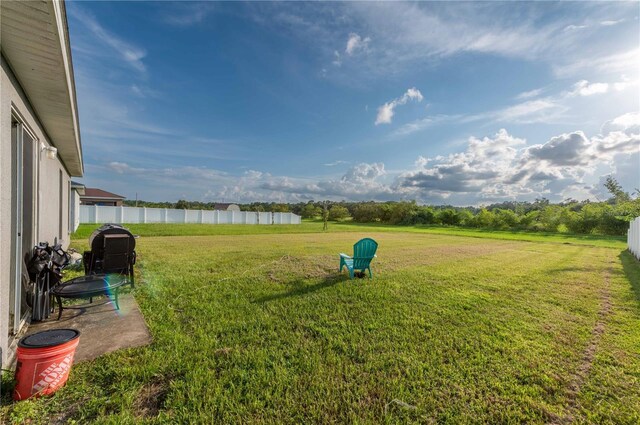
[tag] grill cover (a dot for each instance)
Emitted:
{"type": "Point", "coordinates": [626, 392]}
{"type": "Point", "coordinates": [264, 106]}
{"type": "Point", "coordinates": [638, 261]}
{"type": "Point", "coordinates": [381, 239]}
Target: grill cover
{"type": "Point", "coordinates": [96, 240]}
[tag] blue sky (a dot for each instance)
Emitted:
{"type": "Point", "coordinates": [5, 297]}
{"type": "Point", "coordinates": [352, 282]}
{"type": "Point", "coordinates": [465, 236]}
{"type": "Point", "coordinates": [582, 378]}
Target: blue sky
{"type": "Point", "coordinates": [457, 103]}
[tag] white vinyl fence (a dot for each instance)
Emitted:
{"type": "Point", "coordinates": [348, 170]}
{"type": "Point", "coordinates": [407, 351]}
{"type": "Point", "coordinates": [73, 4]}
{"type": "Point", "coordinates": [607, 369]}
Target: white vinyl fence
{"type": "Point", "coordinates": [120, 215]}
{"type": "Point", "coordinates": [633, 238]}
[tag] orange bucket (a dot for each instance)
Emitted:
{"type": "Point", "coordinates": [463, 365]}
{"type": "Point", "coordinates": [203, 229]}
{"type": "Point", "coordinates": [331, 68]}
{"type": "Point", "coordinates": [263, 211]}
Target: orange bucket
{"type": "Point", "coordinates": [44, 361]}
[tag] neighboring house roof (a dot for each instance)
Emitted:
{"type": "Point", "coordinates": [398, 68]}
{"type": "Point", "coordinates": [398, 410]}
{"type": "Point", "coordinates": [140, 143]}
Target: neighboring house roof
{"type": "Point", "coordinates": [35, 43]}
{"type": "Point", "coordinates": [92, 192]}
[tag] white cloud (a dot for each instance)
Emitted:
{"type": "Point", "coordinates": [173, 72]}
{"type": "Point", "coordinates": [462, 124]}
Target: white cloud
{"type": "Point", "coordinates": [360, 182]}
{"type": "Point", "coordinates": [574, 27]}
{"type": "Point", "coordinates": [529, 94]}
{"type": "Point", "coordinates": [423, 123]}
{"type": "Point", "coordinates": [531, 111]}
{"type": "Point", "coordinates": [542, 110]}
{"type": "Point", "coordinates": [334, 163]}
{"type": "Point", "coordinates": [481, 168]}
{"type": "Point", "coordinates": [356, 43]}
{"type": "Point", "coordinates": [144, 92]}
{"type": "Point", "coordinates": [489, 169]}
{"type": "Point", "coordinates": [616, 63]}
{"type": "Point", "coordinates": [584, 88]}
{"type": "Point", "coordinates": [625, 83]}
{"type": "Point", "coordinates": [189, 13]}
{"type": "Point", "coordinates": [386, 111]}
{"type": "Point", "coordinates": [120, 167]}
{"type": "Point", "coordinates": [405, 35]}
{"type": "Point", "coordinates": [610, 23]}
{"type": "Point", "coordinates": [499, 168]}
{"type": "Point", "coordinates": [566, 149]}
{"type": "Point", "coordinates": [337, 61]}
{"type": "Point", "coordinates": [526, 110]}
{"type": "Point", "coordinates": [128, 52]}
{"type": "Point", "coordinates": [629, 120]}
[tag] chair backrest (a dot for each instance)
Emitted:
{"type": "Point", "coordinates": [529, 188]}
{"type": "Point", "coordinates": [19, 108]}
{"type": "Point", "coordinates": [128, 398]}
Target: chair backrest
{"type": "Point", "coordinates": [117, 253]}
{"type": "Point", "coordinates": [363, 252]}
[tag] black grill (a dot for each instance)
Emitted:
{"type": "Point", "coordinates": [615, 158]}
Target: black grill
{"type": "Point", "coordinates": [112, 251]}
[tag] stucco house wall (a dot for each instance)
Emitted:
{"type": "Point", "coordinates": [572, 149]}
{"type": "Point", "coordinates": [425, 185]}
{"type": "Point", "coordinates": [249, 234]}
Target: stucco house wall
{"type": "Point", "coordinates": [36, 89]}
{"type": "Point", "coordinates": [52, 172]}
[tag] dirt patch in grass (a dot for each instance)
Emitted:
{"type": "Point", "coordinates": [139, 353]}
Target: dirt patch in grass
{"type": "Point", "coordinates": [222, 352]}
{"type": "Point", "coordinates": [437, 254]}
{"type": "Point", "coordinates": [322, 266]}
{"type": "Point", "coordinates": [289, 266]}
{"type": "Point", "coordinates": [151, 398]}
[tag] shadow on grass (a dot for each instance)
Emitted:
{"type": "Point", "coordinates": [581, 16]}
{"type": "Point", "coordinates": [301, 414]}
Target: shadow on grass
{"type": "Point", "coordinates": [631, 268]}
{"type": "Point", "coordinates": [299, 287]}
{"type": "Point", "coordinates": [7, 385]}
{"type": "Point", "coordinates": [584, 269]}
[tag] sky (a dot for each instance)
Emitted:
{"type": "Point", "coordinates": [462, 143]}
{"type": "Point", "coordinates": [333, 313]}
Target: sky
{"type": "Point", "coordinates": [443, 103]}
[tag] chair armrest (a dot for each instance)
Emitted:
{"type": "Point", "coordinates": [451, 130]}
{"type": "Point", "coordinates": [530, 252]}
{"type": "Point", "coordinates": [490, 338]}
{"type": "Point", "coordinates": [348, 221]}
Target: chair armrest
{"type": "Point", "coordinates": [343, 255]}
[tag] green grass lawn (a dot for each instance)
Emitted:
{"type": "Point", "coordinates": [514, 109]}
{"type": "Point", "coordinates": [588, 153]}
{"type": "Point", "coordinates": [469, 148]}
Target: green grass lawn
{"type": "Point", "coordinates": [254, 324]}
{"type": "Point", "coordinates": [308, 226]}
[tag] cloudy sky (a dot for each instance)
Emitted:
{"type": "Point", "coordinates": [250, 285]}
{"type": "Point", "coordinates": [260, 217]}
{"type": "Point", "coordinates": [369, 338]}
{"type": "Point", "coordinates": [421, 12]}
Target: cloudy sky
{"type": "Point", "coordinates": [456, 103]}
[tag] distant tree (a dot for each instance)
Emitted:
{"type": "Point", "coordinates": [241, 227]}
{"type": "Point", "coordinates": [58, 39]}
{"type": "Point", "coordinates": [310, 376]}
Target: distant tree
{"type": "Point", "coordinates": [338, 213]}
{"type": "Point", "coordinates": [466, 217]}
{"type": "Point", "coordinates": [484, 218]}
{"type": "Point", "coordinates": [449, 216]}
{"type": "Point", "coordinates": [366, 212]}
{"type": "Point", "coordinates": [425, 215]}
{"type": "Point", "coordinates": [325, 216]}
{"type": "Point", "coordinates": [615, 189]}
{"type": "Point", "coordinates": [182, 205]}
{"type": "Point", "coordinates": [279, 208]}
{"type": "Point", "coordinates": [540, 203]}
{"type": "Point", "coordinates": [583, 217]}
{"type": "Point", "coordinates": [506, 219]}
{"type": "Point", "coordinates": [310, 211]}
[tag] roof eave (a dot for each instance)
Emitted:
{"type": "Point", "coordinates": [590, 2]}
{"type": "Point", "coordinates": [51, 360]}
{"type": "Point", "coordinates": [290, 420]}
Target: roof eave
{"type": "Point", "coordinates": [35, 43]}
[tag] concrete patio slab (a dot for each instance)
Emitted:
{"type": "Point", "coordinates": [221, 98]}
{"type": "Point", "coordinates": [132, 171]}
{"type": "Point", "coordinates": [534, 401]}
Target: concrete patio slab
{"type": "Point", "coordinates": [103, 329]}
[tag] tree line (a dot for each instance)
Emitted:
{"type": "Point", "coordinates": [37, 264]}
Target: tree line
{"type": "Point", "coordinates": [610, 217]}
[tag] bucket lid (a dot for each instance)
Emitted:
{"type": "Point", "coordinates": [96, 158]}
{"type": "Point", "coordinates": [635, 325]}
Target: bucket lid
{"type": "Point", "coordinates": [48, 338]}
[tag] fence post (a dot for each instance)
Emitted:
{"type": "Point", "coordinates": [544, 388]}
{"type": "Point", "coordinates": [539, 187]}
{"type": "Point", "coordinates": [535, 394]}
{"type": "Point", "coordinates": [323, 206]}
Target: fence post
{"type": "Point", "coordinates": [95, 214]}
{"type": "Point", "coordinates": [184, 218]}
{"type": "Point", "coordinates": [144, 214]}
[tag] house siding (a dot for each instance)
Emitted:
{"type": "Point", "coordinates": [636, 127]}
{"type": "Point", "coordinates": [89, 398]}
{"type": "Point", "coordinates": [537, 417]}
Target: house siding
{"type": "Point", "coordinates": [48, 202]}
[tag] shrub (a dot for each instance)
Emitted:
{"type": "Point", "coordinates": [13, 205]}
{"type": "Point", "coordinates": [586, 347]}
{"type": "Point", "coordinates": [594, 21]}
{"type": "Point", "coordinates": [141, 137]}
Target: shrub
{"type": "Point", "coordinates": [338, 213]}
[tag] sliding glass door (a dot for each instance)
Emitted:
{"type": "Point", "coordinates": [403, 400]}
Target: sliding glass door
{"type": "Point", "coordinates": [24, 219]}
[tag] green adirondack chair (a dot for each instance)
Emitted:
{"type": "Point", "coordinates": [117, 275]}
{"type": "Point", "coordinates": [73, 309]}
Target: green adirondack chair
{"type": "Point", "coordinates": [363, 252]}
